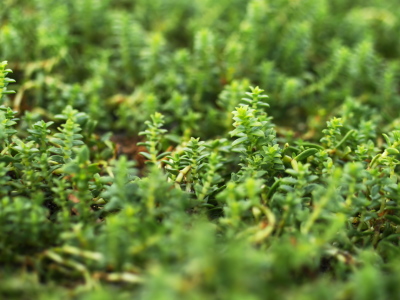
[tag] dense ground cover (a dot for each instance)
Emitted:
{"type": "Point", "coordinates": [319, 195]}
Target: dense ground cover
{"type": "Point", "coordinates": [140, 156]}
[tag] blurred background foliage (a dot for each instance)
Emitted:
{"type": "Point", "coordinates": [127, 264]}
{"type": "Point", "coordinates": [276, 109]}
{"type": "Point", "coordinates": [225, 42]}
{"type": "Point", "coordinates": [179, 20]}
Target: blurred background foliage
{"type": "Point", "coordinates": [120, 61]}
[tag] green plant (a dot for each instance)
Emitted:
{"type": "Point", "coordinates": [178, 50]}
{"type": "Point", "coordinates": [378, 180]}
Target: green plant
{"type": "Point", "coordinates": [131, 166]}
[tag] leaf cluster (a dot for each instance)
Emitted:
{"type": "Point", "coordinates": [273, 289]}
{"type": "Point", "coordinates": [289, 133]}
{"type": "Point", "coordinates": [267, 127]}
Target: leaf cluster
{"type": "Point", "coordinates": [230, 203]}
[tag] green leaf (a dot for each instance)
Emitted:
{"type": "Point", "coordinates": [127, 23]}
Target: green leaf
{"type": "Point", "coordinates": [146, 155]}
{"type": "Point", "coordinates": [83, 155]}
{"type": "Point", "coordinates": [6, 159]}
{"type": "Point", "coordinates": [393, 219]}
{"type": "Point", "coordinates": [162, 155]}
{"type": "Point", "coordinates": [259, 133]}
{"type": "Point", "coordinates": [306, 153]}
{"type": "Point", "coordinates": [392, 151]}
{"type": "Point", "coordinates": [239, 141]}
{"type": "Point", "coordinates": [56, 150]}
{"type": "Point", "coordinates": [56, 158]}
